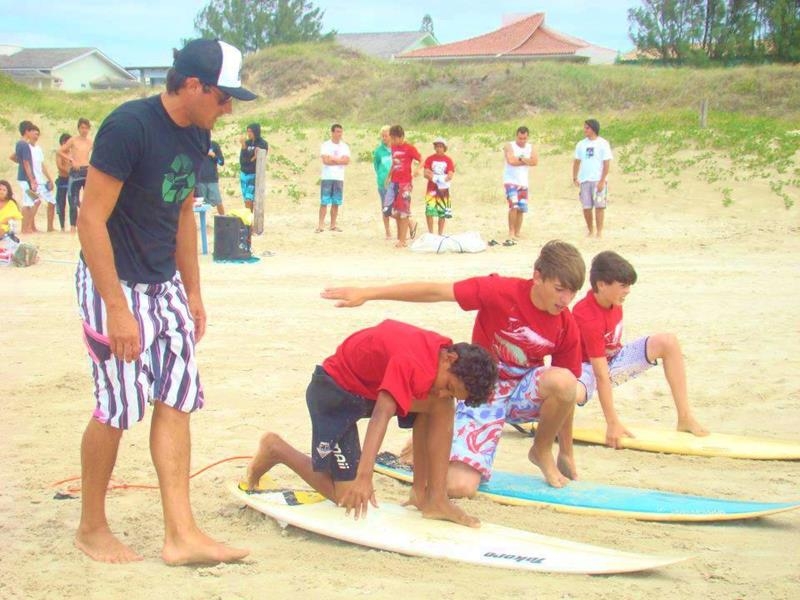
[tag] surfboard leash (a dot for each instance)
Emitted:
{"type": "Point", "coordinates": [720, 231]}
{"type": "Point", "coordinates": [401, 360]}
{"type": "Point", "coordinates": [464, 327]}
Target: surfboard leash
{"type": "Point", "coordinates": [115, 484]}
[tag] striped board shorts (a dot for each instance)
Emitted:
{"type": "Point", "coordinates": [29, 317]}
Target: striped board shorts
{"type": "Point", "coordinates": [166, 369]}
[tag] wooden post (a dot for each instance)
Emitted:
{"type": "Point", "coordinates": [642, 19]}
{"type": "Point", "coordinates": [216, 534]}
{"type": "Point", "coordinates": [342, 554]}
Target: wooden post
{"type": "Point", "coordinates": [703, 113]}
{"type": "Point", "coordinates": [261, 191]}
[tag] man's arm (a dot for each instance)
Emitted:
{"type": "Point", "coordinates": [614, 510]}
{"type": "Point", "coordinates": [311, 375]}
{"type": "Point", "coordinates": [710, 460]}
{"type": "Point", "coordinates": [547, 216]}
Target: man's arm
{"type": "Point", "coordinates": [404, 292]}
{"type": "Point", "coordinates": [100, 198]}
{"type": "Point", "coordinates": [186, 261]}
{"type": "Point", "coordinates": [602, 183]}
{"type": "Point", "coordinates": [361, 494]}
{"type": "Point", "coordinates": [511, 158]}
{"type": "Point", "coordinates": [65, 151]}
{"type": "Point", "coordinates": [614, 427]}
{"type": "Point", "coordinates": [576, 165]}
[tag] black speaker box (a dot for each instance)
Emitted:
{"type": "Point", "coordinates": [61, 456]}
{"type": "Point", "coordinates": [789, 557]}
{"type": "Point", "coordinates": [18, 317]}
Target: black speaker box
{"type": "Point", "coordinates": [231, 238]}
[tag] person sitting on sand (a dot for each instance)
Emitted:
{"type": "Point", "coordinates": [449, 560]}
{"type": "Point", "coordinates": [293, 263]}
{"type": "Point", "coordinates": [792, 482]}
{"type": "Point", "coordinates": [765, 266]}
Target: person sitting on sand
{"type": "Point", "coordinates": [390, 369]}
{"type": "Point", "coordinates": [520, 322]}
{"type": "Point", "coordinates": [607, 362]}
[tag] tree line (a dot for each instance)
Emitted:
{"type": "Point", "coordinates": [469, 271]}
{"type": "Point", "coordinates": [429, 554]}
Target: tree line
{"type": "Point", "coordinates": [697, 31]}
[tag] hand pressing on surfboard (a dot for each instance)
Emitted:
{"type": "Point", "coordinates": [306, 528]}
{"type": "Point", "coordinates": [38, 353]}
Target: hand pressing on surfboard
{"type": "Point", "coordinates": [615, 431]}
{"type": "Point", "coordinates": [358, 496]}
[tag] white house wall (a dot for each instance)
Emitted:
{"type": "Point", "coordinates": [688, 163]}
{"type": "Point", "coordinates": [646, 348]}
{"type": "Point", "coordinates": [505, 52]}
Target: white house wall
{"type": "Point", "coordinates": [77, 75]}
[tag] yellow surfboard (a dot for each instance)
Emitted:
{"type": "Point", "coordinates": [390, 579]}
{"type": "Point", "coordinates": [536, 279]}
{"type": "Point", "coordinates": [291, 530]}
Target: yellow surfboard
{"type": "Point", "coordinates": [654, 439]}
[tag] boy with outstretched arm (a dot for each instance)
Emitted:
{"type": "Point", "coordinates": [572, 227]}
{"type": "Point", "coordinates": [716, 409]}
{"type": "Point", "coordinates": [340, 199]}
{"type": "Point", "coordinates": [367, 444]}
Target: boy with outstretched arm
{"type": "Point", "coordinates": [520, 322]}
{"type": "Point", "coordinates": [390, 369]}
{"type": "Point", "coordinates": [608, 363]}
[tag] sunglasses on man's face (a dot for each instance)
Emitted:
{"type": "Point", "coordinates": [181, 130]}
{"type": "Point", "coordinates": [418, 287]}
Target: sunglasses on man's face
{"type": "Point", "coordinates": [222, 97]}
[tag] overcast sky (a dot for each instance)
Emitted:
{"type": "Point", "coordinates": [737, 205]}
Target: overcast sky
{"type": "Point", "coordinates": [142, 33]}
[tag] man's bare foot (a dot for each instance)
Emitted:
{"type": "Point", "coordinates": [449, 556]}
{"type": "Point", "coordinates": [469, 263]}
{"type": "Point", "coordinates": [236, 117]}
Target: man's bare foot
{"type": "Point", "coordinates": [400, 245]}
{"type": "Point", "coordinates": [545, 462]}
{"type": "Point", "coordinates": [103, 546]}
{"type": "Point", "coordinates": [406, 455]}
{"type": "Point", "coordinates": [566, 464]}
{"type": "Point", "coordinates": [199, 549]}
{"type": "Point", "coordinates": [447, 511]}
{"type": "Point", "coordinates": [690, 425]}
{"type": "Point", "coordinates": [263, 460]}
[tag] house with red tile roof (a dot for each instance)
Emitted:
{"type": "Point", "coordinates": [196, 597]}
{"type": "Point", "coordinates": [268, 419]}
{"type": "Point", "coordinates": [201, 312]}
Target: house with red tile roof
{"type": "Point", "coordinates": [522, 38]}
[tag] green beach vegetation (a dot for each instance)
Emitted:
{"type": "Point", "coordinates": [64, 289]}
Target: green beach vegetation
{"type": "Point", "coordinates": [651, 114]}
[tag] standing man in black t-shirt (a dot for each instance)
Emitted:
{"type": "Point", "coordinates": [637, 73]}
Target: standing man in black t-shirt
{"type": "Point", "coordinates": [138, 287]}
{"type": "Point", "coordinates": [208, 178]}
{"type": "Point", "coordinates": [250, 142]}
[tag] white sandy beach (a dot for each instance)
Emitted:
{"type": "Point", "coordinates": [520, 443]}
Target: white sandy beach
{"type": "Point", "coordinates": [722, 278]}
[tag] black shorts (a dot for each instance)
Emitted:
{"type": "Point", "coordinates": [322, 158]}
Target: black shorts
{"type": "Point", "coordinates": [335, 444]}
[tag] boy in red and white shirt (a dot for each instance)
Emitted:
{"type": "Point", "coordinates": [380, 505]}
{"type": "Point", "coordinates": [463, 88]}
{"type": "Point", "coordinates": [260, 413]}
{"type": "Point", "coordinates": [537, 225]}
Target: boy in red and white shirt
{"type": "Point", "coordinates": [439, 171]}
{"type": "Point", "coordinates": [608, 363]}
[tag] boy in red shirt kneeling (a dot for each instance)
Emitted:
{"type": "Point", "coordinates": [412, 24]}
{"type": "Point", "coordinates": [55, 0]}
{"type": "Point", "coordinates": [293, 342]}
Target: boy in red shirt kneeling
{"type": "Point", "coordinates": [377, 373]}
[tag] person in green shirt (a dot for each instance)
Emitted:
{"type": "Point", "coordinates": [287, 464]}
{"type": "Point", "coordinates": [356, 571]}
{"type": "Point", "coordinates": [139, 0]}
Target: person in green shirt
{"type": "Point", "coordinates": [382, 163]}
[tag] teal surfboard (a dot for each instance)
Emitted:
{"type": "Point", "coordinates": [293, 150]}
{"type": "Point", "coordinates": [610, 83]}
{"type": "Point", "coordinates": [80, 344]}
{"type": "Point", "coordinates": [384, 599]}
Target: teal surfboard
{"type": "Point", "coordinates": [583, 497]}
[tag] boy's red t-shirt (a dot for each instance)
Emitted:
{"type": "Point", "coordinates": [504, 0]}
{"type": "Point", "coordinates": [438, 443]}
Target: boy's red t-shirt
{"type": "Point", "coordinates": [402, 156]}
{"type": "Point", "coordinates": [600, 328]}
{"type": "Point", "coordinates": [400, 359]}
{"type": "Point", "coordinates": [517, 334]}
{"type": "Point", "coordinates": [440, 164]}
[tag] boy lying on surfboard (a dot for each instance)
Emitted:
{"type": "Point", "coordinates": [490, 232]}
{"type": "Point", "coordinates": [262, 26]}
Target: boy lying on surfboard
{"type": "Point", "coordinates": [608, 363]}
{"type": "Point", "coordinates": [520, 322]}
{"type": "Point", "coordinates": [390, 369]}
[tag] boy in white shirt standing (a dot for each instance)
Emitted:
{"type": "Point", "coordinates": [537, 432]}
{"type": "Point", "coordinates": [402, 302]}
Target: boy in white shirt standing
{"type": "Point", "coordinates": [589, 172]}
{"type": "Point", "coordinates": [335, 156]}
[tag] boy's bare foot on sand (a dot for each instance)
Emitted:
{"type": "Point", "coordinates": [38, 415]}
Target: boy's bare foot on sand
{"type": "Point", "coordinates": [199, 549]}
{"type": "Point", "coordinates": [690, 425]}
{"type": "Point", "coordinates": [566, 464]}
{"type": "Point", "coordinates": [264, 459]}
{"type": "Point", "coordinates": [103, 546]}
{"type": "Point", "coordinates": [545, 462]}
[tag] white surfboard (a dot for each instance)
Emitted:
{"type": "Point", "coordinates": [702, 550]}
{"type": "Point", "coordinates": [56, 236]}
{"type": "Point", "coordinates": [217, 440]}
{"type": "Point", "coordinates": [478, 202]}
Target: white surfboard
{"type": "Point", "coordinates": [399, 529]}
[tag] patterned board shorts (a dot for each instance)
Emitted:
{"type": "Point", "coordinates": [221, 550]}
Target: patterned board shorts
{"type": "Point", "coordinates": [590, 197]}
{"type": "Point", "coordinates": [517, 197]}
{"type": "Point", "coordinates": [477, 429]}
{"type": "Point", "coordinates": [331, 192]}
{"type": "Point", "coordinates": [437, 204]}
{"type": "Point", "coordinates": [397, 201]}
{"type": "Point", "coordinates": [630, 362]}
{"type": "Point", "coordinates": [166, 369]}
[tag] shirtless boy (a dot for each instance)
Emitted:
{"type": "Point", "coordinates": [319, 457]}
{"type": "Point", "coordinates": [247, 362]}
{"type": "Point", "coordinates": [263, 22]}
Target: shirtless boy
{"type": "Point", "coordinates": [78, 150]}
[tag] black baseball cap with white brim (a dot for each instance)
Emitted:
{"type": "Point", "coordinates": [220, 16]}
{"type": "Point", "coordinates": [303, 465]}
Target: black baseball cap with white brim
{"type": "Point", "coordinates": [213, 62]}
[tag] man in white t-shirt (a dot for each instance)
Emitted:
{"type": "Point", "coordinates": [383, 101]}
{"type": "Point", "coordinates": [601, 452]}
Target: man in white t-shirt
{"type": "Point", "coordinates": [589, 173]}
{"type": "Point", "coordinates": [44, 181]}
{"type": "Point", "coordinates": [335, 156]}
{"type": "Point", "coordinates": [519, 158]}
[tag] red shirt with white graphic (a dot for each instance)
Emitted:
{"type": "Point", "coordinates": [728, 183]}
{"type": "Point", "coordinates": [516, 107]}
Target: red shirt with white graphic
{"type": "Point", "coordinates": [402, 156]}
{"type": "Point", "coordinates": [394, 357]}
{"type": "Point", "coordinates": [441, 165]}
{"type": "Point", "coordinates": [601, 328]}
{"type": "Point", "coordinates": [517, 334]}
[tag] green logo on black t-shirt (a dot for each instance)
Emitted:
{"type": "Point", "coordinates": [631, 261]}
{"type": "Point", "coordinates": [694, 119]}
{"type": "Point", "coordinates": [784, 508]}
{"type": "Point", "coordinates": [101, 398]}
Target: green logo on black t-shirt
{"type": "Point", "coordinates": [177, 184]}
